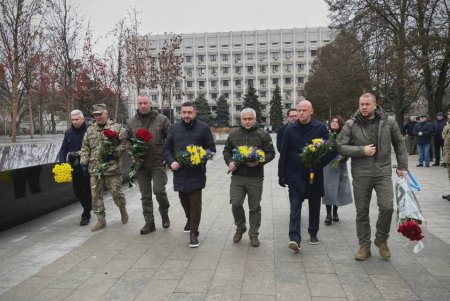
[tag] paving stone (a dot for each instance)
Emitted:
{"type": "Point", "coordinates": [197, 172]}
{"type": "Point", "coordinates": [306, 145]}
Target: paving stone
{"type": "Point", "coordinates": [393, 287]}
{"type": "Point", "coordinates": [294, 290]}
{"type": "Point", "coordinates": [187, 297]}
{"type": "Point", "coordinates": [195, 281]}
{"type": "Point", "coordinates": [72, 279]}
{"type": "Point", "coordinates": [130, 285]}
{"type": "Point", "coordinates": [228, 286]}
{"type": "Point", "coordinates": [92, 289]}
{"type": "Point", "coordinates": [319, 264]}
{"type": "Point", "coordinates": [157, 290]}
{"type": "Point", "coordinates": [27, 288]}
{"type": "Point", "coordinates": [324, 285]}
{"type": "Point", "coordinates": [259, 283]}
{"type": "Point", "coordinates": [51, 294]}
{"type": "Point", "coordinates": [171, 269]}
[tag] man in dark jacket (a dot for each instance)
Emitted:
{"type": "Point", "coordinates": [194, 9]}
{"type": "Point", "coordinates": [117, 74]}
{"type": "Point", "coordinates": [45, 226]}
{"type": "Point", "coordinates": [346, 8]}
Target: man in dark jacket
{"type": "Point", "coordinates": [247, 179]}
{"type": "Point", "coordinates": [152, 172]}
{"type": "Point", "coordinates": [292, 172]}
{"type": "Point", "coordinates": [438, 126]}
{"type": "Point", "coordinates": [70, 151]}
{"type": "Point", "coordinates": [367, 138]}
{"type": "Point", "coordinates": [408, 132]}
{"type": "Point", "coordinates": [423, 131]}
{"type": "Point", "coordinates": [291, 116]}
{"type": "Point", "coordinates": [189, 182]}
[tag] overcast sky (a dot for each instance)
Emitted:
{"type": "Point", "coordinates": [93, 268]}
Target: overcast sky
{"type": "Point", "coordinates": [188, 16]}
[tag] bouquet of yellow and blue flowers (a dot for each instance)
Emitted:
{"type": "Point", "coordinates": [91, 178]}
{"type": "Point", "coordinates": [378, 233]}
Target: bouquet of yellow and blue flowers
{"type": "Point", "coordinates": [193, 156]}
{"type": "Point", "coordinates": [62, 173]}
{"type": "Point", "coordinates": [246, 154]}
{"type": "Point", "coordinates": [312, 153]}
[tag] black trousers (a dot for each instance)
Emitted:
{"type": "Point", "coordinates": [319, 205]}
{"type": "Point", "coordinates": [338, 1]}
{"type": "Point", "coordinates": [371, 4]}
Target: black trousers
{"type": "Point", "coordinates": [82, 189]}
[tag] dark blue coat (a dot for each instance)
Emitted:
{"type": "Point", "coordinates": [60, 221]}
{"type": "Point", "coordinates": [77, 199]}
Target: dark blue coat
{"type": "Point", "coordinates": [292, 169]}
{"type": "Point", "coordinates": [73, 138]}
{"type": "Point", "coordinates": [427, 131]}
{"type": "Point", "coordinates": [438, 128]}
{"type": "Point", "coordinates": [280, 133]}
{"type": "Point", "coordinates": [181, 135]}
{"type": "Point", "coordinates": [408, 128]}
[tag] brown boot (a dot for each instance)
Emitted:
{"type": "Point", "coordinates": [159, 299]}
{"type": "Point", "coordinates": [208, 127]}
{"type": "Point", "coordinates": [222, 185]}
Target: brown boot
{"type": "Point", "coordinates": [100, 225]}
{"type": "Point", "coordinates": [238, 235]}
{"type": "Point", "coordinates": [148, 227]}
{"type": "Point", "coordinates": [123, 214]}
{"type": "Point", "coordinates": [383, 248]}
{"type": "Point", "coordinates": [254, 241]}
{"type": "Point", "coordinates": [363, 253]}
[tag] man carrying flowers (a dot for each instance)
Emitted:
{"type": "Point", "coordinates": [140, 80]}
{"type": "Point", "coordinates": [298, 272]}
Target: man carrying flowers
{"type": "Point", "coordinates": [305, 180]}
{"type": "Point", "coordinates": [70, 151]}
{"type": "Point", "coordinates": [368, 138]}
{"type": "Point", "coordinates": [101, 156]}
{"type": "Point", "coordinates": [247, 149]}
{"type": "Point", "coordinates": [150, 128]}
{"type": "Point", "coordinates": [189, 179]}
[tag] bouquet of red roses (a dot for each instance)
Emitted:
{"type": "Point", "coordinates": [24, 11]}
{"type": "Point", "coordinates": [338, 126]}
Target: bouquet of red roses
{"type": "Point", "coordinates": [139, 147]}
{"type": "Point", "coordinates": [107, 153]}
{"type": "Point", "coordinates": [409, 214]}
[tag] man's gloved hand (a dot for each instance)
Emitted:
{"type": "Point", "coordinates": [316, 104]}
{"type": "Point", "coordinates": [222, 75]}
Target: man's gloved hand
{"type": "Point", "coordinates": [107, 158]}
{"type": "Point", "coordinates": [85, 170]}
{"type": "Point", "coordinates": [282, 182]}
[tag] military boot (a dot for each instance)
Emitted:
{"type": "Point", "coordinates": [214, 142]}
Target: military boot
{"type": "Point", "coordinates": [100, 225]}
{"type": "Point", "coordinates": [383, 248]}
{"type": "Point", "coordinates": [124, 214]}
{"type": "Point", "coordinates": [165, 220]}
{"type": "Point", "coordinates": [363, 253]}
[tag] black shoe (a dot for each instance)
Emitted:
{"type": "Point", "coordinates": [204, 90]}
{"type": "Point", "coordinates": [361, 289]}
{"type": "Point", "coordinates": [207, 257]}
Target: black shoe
{"type": "Point", "coordinates": [313, 240]}
{"type": "Point", "coordinates": [419, 165]}
{"type": "Point", "coordinates": [85, 220]}
{"type": "Point", "coordinates": [446, 197]}
{"type": "Point", "coordinates": [328, 220]}
{"type": "Point", "coordinates": [428, 165]}
{"type": "Point", "coordinates": [444, 165]}
{"type": "Point", "coordinates": [165, 220]}
{"type": "Point", "coordinates": [193, 242]}
{"type": "Point", "coordinates": [436, 164]}
{"type": "Point", "coordinates": [187, 227]}
{"type": "Point", "coordinates": [335, 218]}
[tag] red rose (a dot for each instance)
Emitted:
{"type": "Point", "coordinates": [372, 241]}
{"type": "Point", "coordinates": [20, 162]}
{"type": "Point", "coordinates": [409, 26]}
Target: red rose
{"type": "Point", "coordinates": [110, 134]}
{"type": "Point", "coordinates": [410, 229]}
{"type": "Point", "coordinates": [143, 134]}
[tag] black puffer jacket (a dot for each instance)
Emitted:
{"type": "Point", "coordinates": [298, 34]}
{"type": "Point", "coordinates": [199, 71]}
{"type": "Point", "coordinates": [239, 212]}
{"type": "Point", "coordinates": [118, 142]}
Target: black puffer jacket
{"type": "Point", "coordinates": [181, 135]}
{"type": "Point", "coordinates": [252, 137]}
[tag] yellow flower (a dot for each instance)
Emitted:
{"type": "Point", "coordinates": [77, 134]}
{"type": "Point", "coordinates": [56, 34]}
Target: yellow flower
{"type": "Point", "coordinates": [312, 148]}
{"type": "Point", "coordinates": [62, 173]}
{"type": "Point", "coordinates": [317, 141]}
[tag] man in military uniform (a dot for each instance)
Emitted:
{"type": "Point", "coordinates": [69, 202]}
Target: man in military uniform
{"type": "Point", "coordinates": [446, 152]}
{"type": "Point", "coordinates": [91, 160]}
{"type": "Point", "coordinates": [153, 169]}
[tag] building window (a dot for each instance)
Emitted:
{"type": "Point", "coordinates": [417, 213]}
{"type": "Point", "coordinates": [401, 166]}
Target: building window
{"type": "Point", "coordinates": [189, 72]}
{"type": "Point", "coordinates": [201, 84]}
{"type": "Point", "coordinates": [301, 53]}
{"type": "Point", "coordinates": [188, 59]}
{"type": "Point", "coordinates": [288, 55]}
{"type": "Point", "coordinates": [249, 45]}
{"type": "Point", "coordinates": [274, 56]}
{"type": "Point", "coordinates": [189, 47]}
{"type": "Point", "coordinates": [300, 42]}
{"type": "Point", "coordinates": [225, 57]}
{"type": "Point", "coordinates": [300, 80]}
{"type": "Point", "coordinates": [201, 71]}
{"type": "Point", "coordinates": [189, 84]}
{"type": "Point", "coordinates": [237, 83]}
{"type": "Point", "coordinates": [225, 46]}
{"type": "Point", "coordinates": [262, 45]}
{"type": "Point", "coordinates": [287, 44]}
{"type": "Point", "coordinates": [238, 107]}
{"type": "Point", "coordinates": [214, 83]}
{"type": "Point", "coordinates": [288, 67]}
{"type": "Point", "coordinates": [300, 67]}
{"type": "Point", "coordinates": [249, 56]}
{"type": "Point", "coordinates": [275, 44]}
{"type": "Point", "coordinates": [263, 94]}
{"type": "Point", "coordinates": [190, 96]}
{"type": "Point", "coordinates": [262, 82]}
{"type": "Point", "coordinates": [274, 68]}
{"type": "Point", "coordinates": [178, 96]}
{"type": "Point", "coordinates": [262, 56]}
{"type": "Point", "coordinates": [155, 97]}
{"type": "Point", "coordinates": [225, 83]}
{"type": "Point", "coordinates": [275, 81]}
{"type": "Point", "coordinates": [287, 80]}
{"type": "Point", "coordinates": [213, 95]}
{"type": "Point", "coordinates": [313, 53]}
{"type": "Point", "coordinates": [238, 95]}
{"type": "Point", "coordinates": [326, 41]}
{"type": "Point", "coordinates": [213, 71]}
{"type": "Point", "coordinates": [225, 70]}
{"type": "Point", "coordinates": [237, 45]}
{"type": "Point", "coordinates": [262, 69]}
{"type": "Point", "coordinates": [313, 42]}
{"type": "Point", "coordinates": [200, 58]}
{"type": "Point", "coordinates": [237, 70]}
{"type": "Point", "coordinates": [213, 57]}
{"type": "Point", "coordinates": [226, 95]}
{"type": "Point", "coordinates": [287, 95]}
{"type": "Point", "coordinates": [250, 82]}
{"type": "Point", "coordinates": [213, 47]}
{"type": "Point", "coordinates": [250, 69]}
{"type": "Point", "coordinates": [237, 57]}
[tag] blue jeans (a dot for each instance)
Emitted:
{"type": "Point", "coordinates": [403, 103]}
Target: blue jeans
{"type": "Point", "coordinates": [314, 205]}
{"type": "Point", "coordinates": [424, 153]}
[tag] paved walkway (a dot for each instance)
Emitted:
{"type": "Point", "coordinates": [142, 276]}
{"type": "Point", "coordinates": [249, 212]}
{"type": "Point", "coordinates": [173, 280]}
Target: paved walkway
{"type": "Point", "coordinates": [52, 258]}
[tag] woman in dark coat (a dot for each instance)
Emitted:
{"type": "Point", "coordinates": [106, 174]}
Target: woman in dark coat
{"type": "Point", "coordinates": [336, 180]}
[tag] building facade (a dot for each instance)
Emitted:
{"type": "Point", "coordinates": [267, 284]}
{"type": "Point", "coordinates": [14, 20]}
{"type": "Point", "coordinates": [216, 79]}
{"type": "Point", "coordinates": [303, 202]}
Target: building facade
{"type": "Point", "coordinates": [226, 63]}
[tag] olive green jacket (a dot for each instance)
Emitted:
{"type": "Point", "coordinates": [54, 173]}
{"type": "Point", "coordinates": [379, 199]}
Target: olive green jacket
{"type": "Point", "coordinates": [158, 125]}
{"type": "Point", "coordinates": [446, 137]}
{"type": "Point", "coordinates": [357, 133]}
{"type": "Point", "coordinates": [92, 143]}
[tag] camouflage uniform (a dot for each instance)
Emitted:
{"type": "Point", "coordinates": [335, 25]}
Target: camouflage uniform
{"type": "Point", "coordinates": [112, 178]}
{"type": "Point", "coordinates": [446, 152]}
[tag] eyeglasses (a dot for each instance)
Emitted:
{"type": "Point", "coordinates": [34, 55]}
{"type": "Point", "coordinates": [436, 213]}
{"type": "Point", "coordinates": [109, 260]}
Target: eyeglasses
{"type": "Point", "coordinates": [290, 116]}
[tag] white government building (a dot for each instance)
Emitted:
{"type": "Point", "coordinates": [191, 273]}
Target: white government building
{"type": "Point", "coordinates": [226, 63]}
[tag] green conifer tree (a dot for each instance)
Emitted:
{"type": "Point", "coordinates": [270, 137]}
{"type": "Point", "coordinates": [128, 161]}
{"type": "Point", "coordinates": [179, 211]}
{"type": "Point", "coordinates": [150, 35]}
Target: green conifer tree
{"type": "Point", "coordinates": [223, 112]}
{"type": "Point", "coordinates": [203, 110]}
{"type": "Point", "coordinates": [276, 112]}
{"type": "Point", "coordinates": [251, 101]}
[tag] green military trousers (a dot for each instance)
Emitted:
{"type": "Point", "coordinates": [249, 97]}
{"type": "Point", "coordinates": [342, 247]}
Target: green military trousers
{"type": "Point", "coordinates": [114, 184]}
{"type": "Point", "coordinates": [362, 190]}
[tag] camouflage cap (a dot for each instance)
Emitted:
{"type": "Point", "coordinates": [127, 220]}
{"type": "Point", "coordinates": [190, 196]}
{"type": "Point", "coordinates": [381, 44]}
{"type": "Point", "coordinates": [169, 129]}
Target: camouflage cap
{"type": "Point", "coordinates": [99, 108]}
